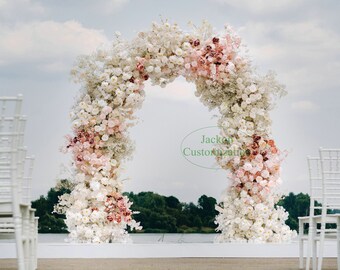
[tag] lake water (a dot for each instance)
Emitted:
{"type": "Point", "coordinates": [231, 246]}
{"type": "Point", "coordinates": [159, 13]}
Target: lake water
{"type": "Point", "coordinates": [145, 238]}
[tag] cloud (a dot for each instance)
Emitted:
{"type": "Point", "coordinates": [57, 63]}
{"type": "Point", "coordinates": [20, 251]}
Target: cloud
{"type": "Point", "coordinates": [305, 106]}
{"type": "Point", "coordinates": [262, 6]}
{"type": "Point", "coordinates": [306, 54]}
{"type": "Point", "coordinates": [48, 44]}
{"type": "Point", "coordinates": [25, 10]}
{"type": "Point", "coordinates": [113, 5]}
{"type": "Point", "coordinates": [105, 7]}
{"type": "Point", "coordinates": [20, 9]}
{"type": "Point", "coordinates": [293, 40]}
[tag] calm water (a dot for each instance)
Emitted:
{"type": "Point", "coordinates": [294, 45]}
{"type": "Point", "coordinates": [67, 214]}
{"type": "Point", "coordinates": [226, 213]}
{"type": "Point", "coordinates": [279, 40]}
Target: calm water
{"type": "Point", "coordinates": [144, 238]}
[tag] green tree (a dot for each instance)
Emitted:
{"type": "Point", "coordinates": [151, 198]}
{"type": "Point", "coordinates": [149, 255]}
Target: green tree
{"type": "Point", "coordinates": [163, 214]}
{"type": "Point", "coordinates": [297, 205]}
{"type": "Point", "coordinates": [207, 210]}
{"type": "Point", "coordinates": [173, 202]}
{"type": "Point", "coordinates": [50, 222]}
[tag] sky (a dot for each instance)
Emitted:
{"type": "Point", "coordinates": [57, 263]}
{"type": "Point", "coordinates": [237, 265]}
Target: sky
{"type": "Point", "coordinates": [298, 39]}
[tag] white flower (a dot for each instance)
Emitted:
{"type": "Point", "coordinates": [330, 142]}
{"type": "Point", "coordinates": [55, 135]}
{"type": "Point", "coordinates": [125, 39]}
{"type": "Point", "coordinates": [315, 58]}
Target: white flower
{"type": "Point", "coordinates": [126, 76]}
{"type": "Point", "coordinates": [117, 71]}
{"type": "Point", "coordinates": [100, 197]}
{"type": "Point", "coordinates": [263, 183]}
{"type": "Point", "coordinates": [113, 79]}
{"type": "Point", "coordinates": [95, 215]}
{"type": "Point", "coordinates": [88, 233]}
{"type": "Point", "coordinates": [78, 217]}
{"type": "Point", "coordinates": [179, 52]}
{"type": "Point", "coordinates": [76, 124]}
{"type": "Point", "coordinates": [86, 212]}
{"type": "Point", "coordinates": [73, 234]}
{"type": "Point", "coordinates": [186, 46]}
{"type": "Point", "coordinates": [247, 166]}
{"type": "Point", "coordinates": [105, 180]}
{"type": "Point", "coordinates": [102, 103]}
{"type": "Point", "coordinates": [230, 131]}
{"type": "Point", "coordinates": [248, 185]}
{"type": "Point", "coordinates": [95, 111]}
{"type": "Point", "coordinates": [252, 88]}
{"type": "Point", "coordinates": [265, 174]}
{"type": "Point", "coordinates": [105, 137]}
{"type": "Point", "coordinates": [149, 69]}
{"type": "Point", "coordinates": [85, 219]}
{"type": "Point", "coordinates": [164, 59]}
{"type": "Point", "coordinates": [95, 185]}
{"type": "Point", "coordinates": [96, 239]}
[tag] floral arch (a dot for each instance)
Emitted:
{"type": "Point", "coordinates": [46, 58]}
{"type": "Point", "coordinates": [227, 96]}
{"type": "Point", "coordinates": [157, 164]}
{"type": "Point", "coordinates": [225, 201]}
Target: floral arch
{"type": "Point", "coordinates": [112, 90]}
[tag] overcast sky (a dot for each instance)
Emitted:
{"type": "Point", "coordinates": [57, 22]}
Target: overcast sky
{"type": "Point", "coordinates": [299, 39]}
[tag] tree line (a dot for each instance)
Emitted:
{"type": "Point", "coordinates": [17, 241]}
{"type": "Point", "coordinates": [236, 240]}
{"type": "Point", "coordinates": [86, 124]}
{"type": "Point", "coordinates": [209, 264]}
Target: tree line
{"type": "Point", "coordinates": [164, 214]}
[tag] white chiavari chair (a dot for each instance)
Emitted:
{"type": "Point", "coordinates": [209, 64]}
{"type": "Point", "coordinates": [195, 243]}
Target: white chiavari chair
{"type": "Point", "coordinates": [11, 216]}
{"type": "Point", "coordinates": [26, 199]}
{"type": "Point", "coordinates": [330, 168]}
{"type": "Point", "coordinates": [315, 185]}
{"type": "Point", "coordinates": [317, 196]}
{"type": "Point", "coordinates": [16, 215]}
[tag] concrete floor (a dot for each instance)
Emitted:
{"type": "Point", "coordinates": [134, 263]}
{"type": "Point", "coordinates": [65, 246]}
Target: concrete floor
{"type": "Point", "coordinates": [169, 264]}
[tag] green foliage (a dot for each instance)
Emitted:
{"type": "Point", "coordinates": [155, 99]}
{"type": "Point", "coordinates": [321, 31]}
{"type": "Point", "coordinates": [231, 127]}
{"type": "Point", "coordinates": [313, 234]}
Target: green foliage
{"type": "Point", "coordinates": [159, 213]}
{"type": "Point", "coordinates": [50, 222]}
{"type": "Point", "coordinates": [297, 206]}
{"type": "Point", "coordinates": [163, 214]}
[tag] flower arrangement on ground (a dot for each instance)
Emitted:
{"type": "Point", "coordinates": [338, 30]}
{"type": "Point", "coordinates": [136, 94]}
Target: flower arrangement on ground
{"type": "Point", "coordinates": [113, 82]}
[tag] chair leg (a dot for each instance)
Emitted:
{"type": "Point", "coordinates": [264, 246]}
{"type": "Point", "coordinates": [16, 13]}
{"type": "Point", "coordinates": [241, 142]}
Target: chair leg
{"type": "Point", "coordinates": [321, 246]}
{"type": "Point", "coordinates": [310, 244]}
{"type": "Point", "coordinates": [338, 240]}
{"type": "Point", "coordinates": [31, 243]}
{"type": "Point", "coordinates": [35, 242]}
{"type": "Point", "coordinates": [26, 234]}
{"type": "Point", "coordinates": [301, 253]}
{"type": "Point", "coordinates": [300, 244]}
{"type": "Point", "coordinates": [315, 246]}
{"type": "Point", "coordinates": [19, 242]}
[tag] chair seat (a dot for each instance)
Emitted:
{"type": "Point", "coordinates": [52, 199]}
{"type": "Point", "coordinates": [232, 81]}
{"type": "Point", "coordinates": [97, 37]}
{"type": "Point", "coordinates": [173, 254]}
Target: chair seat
{"type": "Point", "coordinates": [330, 218]}
{"type": "Point", "coordinates": [6, 231]}
{"type": "Point", "coordinates": [328, 236]}
{"type": "Point", "coordinates": [7, 235]}
{"type": "Point", "coordinates": [10, 234]}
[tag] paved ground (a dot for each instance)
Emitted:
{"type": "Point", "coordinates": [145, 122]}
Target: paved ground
{"type": "Point", "coordinates": [169, 264]}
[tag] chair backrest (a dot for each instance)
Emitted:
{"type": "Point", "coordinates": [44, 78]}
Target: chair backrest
{"type": "Point", "coordinates": [10, 108]}
{"type": "Point", "coordinates": [330, 167]}
{"type": "Point", "coordinates": [315, 185]}
{"type": "Point", "coordinates": [6, 183]}
{"type": "Point", "coordinates": [12, 132]}
{"type": "Point", "coordinates": [12, 153]}
{"type": "Point", "coordinates": [27, 179]}
{"type": "Point", "coordinates": [9, 180]}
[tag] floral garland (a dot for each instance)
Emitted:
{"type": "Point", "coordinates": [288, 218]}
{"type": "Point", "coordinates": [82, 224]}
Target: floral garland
{"type": "Point", "coordinates": [113, 81]}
